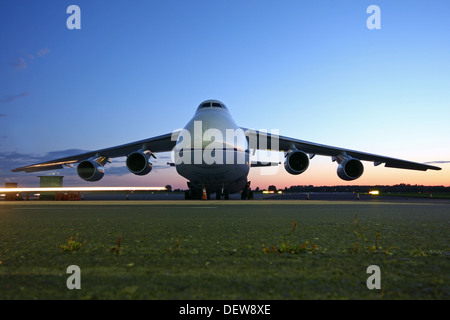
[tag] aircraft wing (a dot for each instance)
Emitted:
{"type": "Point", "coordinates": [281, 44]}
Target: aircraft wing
{"type": "Point", "coordinates": [263, 141]}
{"type": "Point", "coordinates": [157, 144]}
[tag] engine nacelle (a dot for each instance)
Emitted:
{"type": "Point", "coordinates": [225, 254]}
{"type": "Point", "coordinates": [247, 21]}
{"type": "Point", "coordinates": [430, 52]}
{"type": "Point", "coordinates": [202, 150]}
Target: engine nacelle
{"type": "Point", "coordinates": [296, 162]}
{"type": "Point", "coordinates": [350, 169]}
{"type": "Point", "coordinates": [139, 163]}
{"type": "Point", "coordinates": [90, 170]}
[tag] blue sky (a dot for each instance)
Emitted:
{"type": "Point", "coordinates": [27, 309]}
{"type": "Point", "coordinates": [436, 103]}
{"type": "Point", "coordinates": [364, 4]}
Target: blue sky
{"type": "Point", "coordinates": [311, 69]}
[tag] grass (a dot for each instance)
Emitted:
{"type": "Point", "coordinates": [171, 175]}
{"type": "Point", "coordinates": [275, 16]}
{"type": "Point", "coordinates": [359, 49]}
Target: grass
{"type": "Point", "coordinates": [287, 246]}
{"type": "Point", "coordinates": [72, 245]}
{"type": "Point", "coordinates": [215, 250]}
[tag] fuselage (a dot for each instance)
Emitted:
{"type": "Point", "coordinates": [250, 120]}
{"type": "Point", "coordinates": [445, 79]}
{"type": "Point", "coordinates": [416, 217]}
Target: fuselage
{"type": "Point", "coordinates": [212, 151]}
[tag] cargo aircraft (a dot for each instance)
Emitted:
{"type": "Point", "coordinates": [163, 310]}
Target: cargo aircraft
{"type": "Point", "coordinates": [213, 153]}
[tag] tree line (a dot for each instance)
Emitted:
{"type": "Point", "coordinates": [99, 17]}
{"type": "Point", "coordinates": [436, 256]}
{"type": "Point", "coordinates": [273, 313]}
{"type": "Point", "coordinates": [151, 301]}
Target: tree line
{"type": "Point", "coordinates": [408, 188]}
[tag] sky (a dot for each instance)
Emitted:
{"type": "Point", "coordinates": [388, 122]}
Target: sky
{"type": "Point", "coordinates": [312, 70]}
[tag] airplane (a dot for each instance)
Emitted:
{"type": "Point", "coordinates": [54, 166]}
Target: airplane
{"type": "Point", "coordinates": [213, 153]}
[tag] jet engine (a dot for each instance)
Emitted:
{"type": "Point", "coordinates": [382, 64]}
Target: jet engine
{"type": "Point", "coordinates": [90, 170]}
{"type": "Point", "coordinates": [296, 162]}
{"type": "Point", "coordinates": [350, 169]}
{"type": "Point", "coordinates": [138, 162]}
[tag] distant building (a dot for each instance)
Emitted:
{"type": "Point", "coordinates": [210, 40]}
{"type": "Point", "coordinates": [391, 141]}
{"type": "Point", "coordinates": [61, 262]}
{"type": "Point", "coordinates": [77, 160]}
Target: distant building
{"type": "Point", "coordinates": [50, 182]}
{"type": "Point", "coordinates": [10, 196]}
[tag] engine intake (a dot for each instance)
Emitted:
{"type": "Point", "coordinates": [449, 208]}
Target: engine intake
{"type": "Point", "coordinates": [296, 162]}
{"type": "Point", "coordinates": [350, 169]}
{"type": "Point", "coordinates": [90, 170]}
{"type": "Point", "coordinates": [139, 163]}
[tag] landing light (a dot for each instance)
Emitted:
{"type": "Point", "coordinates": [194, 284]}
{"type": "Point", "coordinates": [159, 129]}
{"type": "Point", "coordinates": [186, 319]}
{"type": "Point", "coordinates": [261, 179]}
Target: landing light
{"type": "Point", "coordinates": [374, 192]}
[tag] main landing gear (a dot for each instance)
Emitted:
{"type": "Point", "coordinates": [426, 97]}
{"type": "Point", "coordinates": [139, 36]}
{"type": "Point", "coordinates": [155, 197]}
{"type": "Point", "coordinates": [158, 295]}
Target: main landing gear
{"type": "Point", "coordinates": [196, 194]}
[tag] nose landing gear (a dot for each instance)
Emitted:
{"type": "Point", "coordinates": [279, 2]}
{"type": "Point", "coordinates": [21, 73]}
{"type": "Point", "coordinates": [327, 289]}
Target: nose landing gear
{"type": "Point", "coordinates": [222, 193]}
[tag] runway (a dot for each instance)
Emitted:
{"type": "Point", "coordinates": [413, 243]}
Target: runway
{"type": "Point", "coordinates": [311, 196]}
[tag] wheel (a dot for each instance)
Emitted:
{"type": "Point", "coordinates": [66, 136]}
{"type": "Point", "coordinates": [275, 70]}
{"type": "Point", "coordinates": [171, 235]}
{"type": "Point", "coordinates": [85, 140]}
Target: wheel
{"type": "Point", "coordinates": [192, 194]}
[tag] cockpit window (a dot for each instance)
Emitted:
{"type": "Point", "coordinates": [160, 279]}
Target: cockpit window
{"type": "Point", "coordinates": [213, 104]}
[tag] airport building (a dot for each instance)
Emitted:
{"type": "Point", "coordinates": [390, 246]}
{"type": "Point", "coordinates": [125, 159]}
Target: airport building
{"type": "Point", "coordinates": [10, 196]}
{"type": "Point", "coordinates": [50, 182]}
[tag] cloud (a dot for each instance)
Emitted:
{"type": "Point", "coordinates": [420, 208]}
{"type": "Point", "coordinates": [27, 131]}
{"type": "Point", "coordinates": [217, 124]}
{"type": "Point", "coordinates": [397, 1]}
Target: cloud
{"type": "Point", "coordinates": [12, 97]}
{"type": "Point", "coordinates": [16, 159]}
{"type": "Point", "coordinates": [22, 62]}
{"type": "Point", "coordinates": [441, 161]}
{"type": "Point", "coordinates": [43, 52]}
{"type": "Point", "coordinates": [61, 154]}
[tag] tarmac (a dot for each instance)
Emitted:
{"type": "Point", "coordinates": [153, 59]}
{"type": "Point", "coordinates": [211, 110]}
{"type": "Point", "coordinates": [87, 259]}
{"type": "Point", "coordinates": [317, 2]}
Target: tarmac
{"type": "Point", "coordinates": [312, 196]}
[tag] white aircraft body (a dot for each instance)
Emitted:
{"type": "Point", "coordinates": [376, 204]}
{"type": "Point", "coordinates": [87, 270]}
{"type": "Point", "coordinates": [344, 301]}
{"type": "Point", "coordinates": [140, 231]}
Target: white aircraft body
{"type": "Point", "coordinates": [213, 153]}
